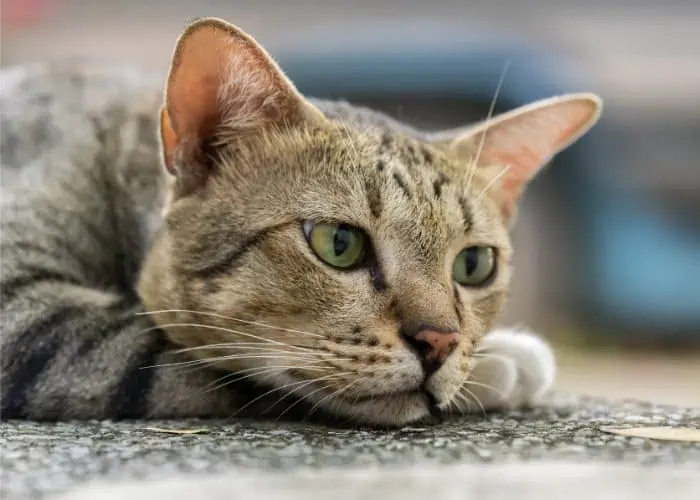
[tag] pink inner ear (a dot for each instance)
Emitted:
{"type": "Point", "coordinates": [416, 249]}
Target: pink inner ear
{"type": "Point", "coordinates": [221, 80]}
{"type": "Point", "coordinates": [522, 165]}
{"type": "Point", "coordinates": [196, 79]}
{"type": "Point", "coordinates": [527, 142]}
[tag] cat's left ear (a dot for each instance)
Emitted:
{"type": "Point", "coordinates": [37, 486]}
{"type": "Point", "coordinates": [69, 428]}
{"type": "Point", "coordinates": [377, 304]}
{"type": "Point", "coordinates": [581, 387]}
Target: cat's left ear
{"type": "Point", "coordinates": [510, 149]}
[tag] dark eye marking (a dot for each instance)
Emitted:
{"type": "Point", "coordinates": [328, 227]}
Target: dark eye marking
{"type": "Point", "coordinates": [374, 197]}
{"type": "Point", "coordinates": [378, 282]}
{"type": "Point", "coordinates": [466, 213]}
{"type": "Point", "coordinates": [441, 180]}
{"type": "Point", "coordinates": [226, 261]}
{"type": "Point", "coordinates": [402, 184]}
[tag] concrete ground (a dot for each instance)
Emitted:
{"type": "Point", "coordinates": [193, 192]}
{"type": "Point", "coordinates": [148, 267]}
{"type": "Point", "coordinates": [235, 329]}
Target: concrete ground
{"type": "Point", "coordinates": [558, 449]}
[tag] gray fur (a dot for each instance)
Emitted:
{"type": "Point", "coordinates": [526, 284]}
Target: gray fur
{"type": "Point", "coordinates": [81, 197]}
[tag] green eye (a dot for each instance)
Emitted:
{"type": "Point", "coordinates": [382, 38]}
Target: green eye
{"type": "Point", "coordinates": [338, 245]}
{"type": "Point", "coordinates": [474, 266]}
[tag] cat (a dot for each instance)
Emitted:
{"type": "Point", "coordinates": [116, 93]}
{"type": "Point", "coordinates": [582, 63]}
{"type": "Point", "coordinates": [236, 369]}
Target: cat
{"type": "Point", "coordinates": [229, 247]}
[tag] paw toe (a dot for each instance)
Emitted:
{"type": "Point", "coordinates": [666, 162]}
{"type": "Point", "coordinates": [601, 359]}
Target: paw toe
{"type": "Point", "coordinates": [518, 363]}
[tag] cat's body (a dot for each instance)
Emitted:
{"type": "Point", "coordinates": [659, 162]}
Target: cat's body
{"type": "Point", "coordinates": [86, 249]}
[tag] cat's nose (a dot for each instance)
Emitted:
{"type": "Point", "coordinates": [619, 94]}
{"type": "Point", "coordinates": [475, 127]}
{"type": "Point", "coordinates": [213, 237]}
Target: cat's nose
{"type": "Point", "coordinates": [432, 347]}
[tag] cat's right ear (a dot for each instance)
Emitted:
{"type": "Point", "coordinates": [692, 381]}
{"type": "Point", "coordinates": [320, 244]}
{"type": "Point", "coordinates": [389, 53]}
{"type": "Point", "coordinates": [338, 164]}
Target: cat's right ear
{"type": "Point", "coordinates": [222, 87]}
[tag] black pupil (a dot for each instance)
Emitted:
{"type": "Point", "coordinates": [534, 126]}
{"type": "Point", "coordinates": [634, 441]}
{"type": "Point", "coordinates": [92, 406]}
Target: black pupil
{"type": "Point", "coordinates": [341, 241]}
{"type": "Point", "coordinates": [472, 260]}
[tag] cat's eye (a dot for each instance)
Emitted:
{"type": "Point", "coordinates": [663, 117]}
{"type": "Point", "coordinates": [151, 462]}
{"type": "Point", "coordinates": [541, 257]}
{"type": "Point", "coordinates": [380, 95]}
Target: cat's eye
{"type": "Point", "coordinates": [338, 245]}
{"type": "Point", "coordinates": [474, 266]}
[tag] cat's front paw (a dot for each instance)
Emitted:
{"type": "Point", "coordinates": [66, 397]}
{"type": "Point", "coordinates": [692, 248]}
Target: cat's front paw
{"type": "Point", "coordinates": [512, 369]}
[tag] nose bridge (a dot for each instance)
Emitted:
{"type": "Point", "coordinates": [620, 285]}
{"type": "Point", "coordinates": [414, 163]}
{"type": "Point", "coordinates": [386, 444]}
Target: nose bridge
{"type": "Point", "coordinates": [426, 304]}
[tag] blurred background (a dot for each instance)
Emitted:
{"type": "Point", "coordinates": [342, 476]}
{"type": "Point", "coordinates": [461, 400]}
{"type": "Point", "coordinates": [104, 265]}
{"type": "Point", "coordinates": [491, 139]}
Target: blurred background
{"type": "Point", "coordinates": [608, 240]}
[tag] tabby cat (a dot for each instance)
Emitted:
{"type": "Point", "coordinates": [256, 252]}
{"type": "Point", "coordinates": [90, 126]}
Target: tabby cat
{"type": "Point", "coordinates": [263, 254]}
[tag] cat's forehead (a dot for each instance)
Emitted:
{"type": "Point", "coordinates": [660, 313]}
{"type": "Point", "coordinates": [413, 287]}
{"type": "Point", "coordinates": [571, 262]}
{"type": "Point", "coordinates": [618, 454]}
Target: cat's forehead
{"type": "Point", "coordinates": [410, 188]}
{"type": "Point", "coordinates": [395, 186]}
{"type": "Point", "coordinates": [421, 161]}
{"type": "Point", "coordinates": [431, 180]}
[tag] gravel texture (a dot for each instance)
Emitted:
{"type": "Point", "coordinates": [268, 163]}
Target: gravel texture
{"type": "Point", "coordinates": [40, 460]}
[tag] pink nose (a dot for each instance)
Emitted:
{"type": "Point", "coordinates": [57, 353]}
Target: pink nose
{"type": "Point", "coordinates": [433, 347]}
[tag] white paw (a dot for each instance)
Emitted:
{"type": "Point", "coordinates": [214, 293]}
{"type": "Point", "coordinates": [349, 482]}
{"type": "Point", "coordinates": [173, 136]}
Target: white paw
{"type": "Point", "coordinates": [512, 369]}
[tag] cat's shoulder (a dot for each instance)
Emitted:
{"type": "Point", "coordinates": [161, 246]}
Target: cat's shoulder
{"type": "Point", "coordinates": [49, 108]}
{"type": "Point", "coordinates": [73, 80]}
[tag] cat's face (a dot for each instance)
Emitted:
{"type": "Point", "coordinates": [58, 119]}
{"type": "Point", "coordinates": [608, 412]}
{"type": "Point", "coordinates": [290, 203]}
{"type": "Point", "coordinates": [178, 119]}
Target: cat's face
{"type": "Point", "coordinates": [344, 244]}
{"type": "Point", "coordinates": [356, 269]}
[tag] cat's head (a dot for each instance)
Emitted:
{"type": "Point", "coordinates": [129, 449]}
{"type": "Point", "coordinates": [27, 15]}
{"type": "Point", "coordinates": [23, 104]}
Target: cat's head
{"type": "Point", "coordinates": [355, 268]}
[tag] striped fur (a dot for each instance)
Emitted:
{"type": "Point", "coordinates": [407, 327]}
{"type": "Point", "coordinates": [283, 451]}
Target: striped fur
{"type": "Point", "coordinates": [130, 290]}
{"type": "Point", "coordinates": [81, 198]}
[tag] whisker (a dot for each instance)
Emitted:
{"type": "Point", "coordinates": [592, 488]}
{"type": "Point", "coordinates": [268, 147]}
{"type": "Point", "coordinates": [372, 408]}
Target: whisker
{"type": "Point", "coordinates": [216, 359]}
{"type": "Point", "coordinates": [250, 346]}
{"type": "Point", "coordinates": [230, 357]}
{"type": "Point", "coordinates": [471, 395]}
{"type": "Point", "coordinates": [458, 403]}
{"type": "Point", "coordinates": [332, 395]}
{"type": "Point", "coordinates": [335, 404]}
{"type": "Point", "coordinates": [221, 316]}
{"type": "Point", "coordinates": [299, 398]}
{"type": "Point", "coordinates": [484, 355]}
{"type": "Point", "coordinates": [239, 345]}
{"type": "Point", "coordinates": [486, 386]}
{"type": "Point", "coordinates": [281, 388]}
{"type": "Point", "coordinates": [261, 353]}
{"type": "Point", "coordinates": [451, 407]}
{"type": "Point", "coordinates": [223, 382]}
{"type": "Point", "coordinates": [500, 174]}
{"type": "Point", "coordinates": [307, 397]}
{"type": "Point", "coordinates": [482, 140]}
{"type": "Point", "coordinates": [218, 328]}
{"type": "Point", "coordinates": [304, 398]}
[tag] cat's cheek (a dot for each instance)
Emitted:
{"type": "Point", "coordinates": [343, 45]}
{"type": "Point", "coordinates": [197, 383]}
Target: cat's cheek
{"type": "Point", "coordinates": [489, 304]}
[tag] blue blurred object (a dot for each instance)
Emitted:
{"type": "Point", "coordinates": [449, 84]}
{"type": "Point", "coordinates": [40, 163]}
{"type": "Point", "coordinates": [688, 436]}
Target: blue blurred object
{"type": "Point", "coordinates": [646, 267]}
{"type": "Point", "coordinates": [644, 271]}
{"type": "Point", "coordinates": [422, 58]}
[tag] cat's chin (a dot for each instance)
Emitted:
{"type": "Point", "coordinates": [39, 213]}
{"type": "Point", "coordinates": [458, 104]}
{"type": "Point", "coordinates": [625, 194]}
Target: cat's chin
{"type": "Point", "coordinates": [388, 410]}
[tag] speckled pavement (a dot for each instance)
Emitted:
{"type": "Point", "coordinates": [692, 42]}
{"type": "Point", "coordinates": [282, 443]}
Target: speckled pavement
{"type": "Point", "coordinates": [561, 442]}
